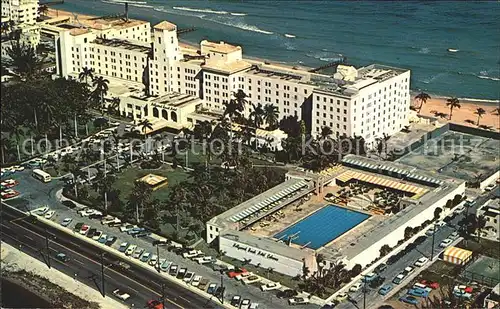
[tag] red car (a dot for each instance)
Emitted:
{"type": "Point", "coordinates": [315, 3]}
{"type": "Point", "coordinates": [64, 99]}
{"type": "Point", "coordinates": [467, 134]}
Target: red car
{"type": "Point", "coordinates": [84, 229]}
{"type": "Point", "coordinates": [236, 272]}
{"type": "Point", "coordinates": [433, 285]}
{"type": "Point", "coordinates": [154, 304]}
{"type": "Point", "coordinates": [9, 183]}
{"type": "Point", "coordinates": [9, 193]}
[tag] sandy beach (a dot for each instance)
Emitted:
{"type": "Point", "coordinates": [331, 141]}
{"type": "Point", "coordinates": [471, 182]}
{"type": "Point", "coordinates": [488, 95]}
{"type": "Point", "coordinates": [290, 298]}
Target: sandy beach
{"type": "Point", "coordinates": [464, 115]}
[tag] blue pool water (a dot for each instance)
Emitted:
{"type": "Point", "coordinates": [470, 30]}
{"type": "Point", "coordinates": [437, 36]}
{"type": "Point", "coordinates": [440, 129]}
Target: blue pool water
{"type": "Point", "coordinates": [323, 226]}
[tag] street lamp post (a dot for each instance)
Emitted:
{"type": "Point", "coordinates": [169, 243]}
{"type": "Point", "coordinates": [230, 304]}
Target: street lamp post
{"type": "Point", "coordinates": [158, 257]}
{"type": "Point", "coordinates": [47, 247]}
{"type": "Point", "coordinates": [433, 236]}
{"type": "Point", "coordinates": [102, 275]}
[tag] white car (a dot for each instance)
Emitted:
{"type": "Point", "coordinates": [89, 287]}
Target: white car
{"type": "Point", "coordinates": [121, 295]}
{"type": "Point", "coordinates": [130, 249]}
{"type": "Point", "coordinates": [20, 168]}
{"type": "Point", "coordinates": [298, 301]}
{"type": "Point", "coordinates": [245, 304]}
{"type": "Point", "coordinates": [445, 243]}
{"type": "Point", "coordinates": [153, 260]}
{"type": "Point", "coordinates": [356, 286]}
{"type": "Point", "coordinates": [42, 210]}
{"type": "Point", "coordinates": [49, 214]}
{"type": "Point", "coordinates": [490, 187]}
{"type": "Point", "coordinates": [270, 286]}
{"type": "Point", "coordinates": [254, 305]}
{"type": "Point", "coordinates": [204, 259]}
{"type": "Point", "coordinates": [191, 254]}
{"type": "Point", "coordinates": [441, 223]}
{"type": "Point", "coordinates": [127, 227]}
{"type": "Point", "coordinates": [188, 276]}
{"type": "Point", "coordinates": [454, 235]}
{"type": "Point", "coordinates": [196, 280]}
{"type": "Point", "coordinates": [243, 275]}
{"type": "Point", "coordinates": [421, 261]}
{"type": "Point", "coordinates": [460, 209]}
{"type": "Point", "coordinates": [409, 269]}
{"type": "Point", "coordinates": [88, 211]}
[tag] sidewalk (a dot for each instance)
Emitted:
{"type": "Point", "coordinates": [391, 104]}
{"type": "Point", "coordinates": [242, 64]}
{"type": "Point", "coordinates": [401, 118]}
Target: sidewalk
{"type": "Point", "coordinates": [13, 259]}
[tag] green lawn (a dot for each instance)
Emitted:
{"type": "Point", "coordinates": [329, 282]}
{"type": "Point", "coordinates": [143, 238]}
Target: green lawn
{"type": "Point", "coordinates": [484, 247]}
{"type": "Point", "coordinates": [126, 178]}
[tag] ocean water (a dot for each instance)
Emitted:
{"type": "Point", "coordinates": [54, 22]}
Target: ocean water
{"type": "Point", "coordinates": [414, 35]}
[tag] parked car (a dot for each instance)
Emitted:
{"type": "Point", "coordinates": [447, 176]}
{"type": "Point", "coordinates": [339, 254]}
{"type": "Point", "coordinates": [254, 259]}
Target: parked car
{"type": "Point", "coordinates": [236, 272]}
{"type": "Point", "coordinates": [165, 265]}
{"type": "Point", "coordinates": [243, 276]}
{"type": "Point", "coordinates": [490, 187]}
{"type": "Point", "coordinates": [380, 268]}
{"type": "Point", "coordinates": [454, 235]}
{"type": "Point", "coordinates": [417, 292]}
{"type": "Point", "coordinates": [181, 273]}
{"type": "Point", "coordinates": [121, 294]}
{"type": "Point", "coordinates": [270, 286]}
{"type": "Point", "coordinates": [408, 270]}
{"type": "Point", "coordinates": [432, 284]}
{"type": "Point", "coordinates": [173, 270]}
{"type": "Point", "coordinates": [341, 297]}
{"type": "Point", "coordinates": [66, 221]}
{"type": "Point", "coordinates": [78, 227]}
{"type": "Point", "coordinates": [421, 261]}
{"type": "Point", "coordinates": [127, 227]}
{"type": "Point", "coordinates": [153, 260]}
{"type": "Point", "coordinates": [103, 239]}
{"type": "Point", "coordinates": [211, 288]}
{"type": "Point", "coordinates": [377, 282]}
{"type": "Point", "coordinates": [130, 249]}
{"type": "Point", "coordinates": [196, 280]}
{"type": "Point", "coordinates": [191, 254]}
{"type": "Point", "coordinates": [298, 301]}
{"type": "Point", "coordinates": [204, 260]}
{"type": "Point", "coordinates": [42, 210]}
{"type": "Point", "coordinates": [96, 215]}
{"type": "Point", "coordinates": [385, 289]}
{"type": "Point", "coordinates": [399, 278]}
{"type": "Point", "coordinates": [409, 300]}
{"type": "Point", "coordinates": [188, 277]}
{"type": "Point", "coordinates": [245, 304]}
{"type": "Point", "coordinates": [97, 235]}
{"type": "Point", "coordinates": [142, 234]}
{"type": "Point", "coordinates": [138, 253]}
{"type": "Point", "coordinates": [49, 214]}
{"type": "Point", "coordinates": [236, 300]}
{"type": "Point", "coordinates": [160, 242]}
{"type": "Point", "coordinates": [356, 286]}
{"type": "Point", "coordinates": [287, 293]}
{"type": "Point", "coordinates": [369, 277]}
{"type": "Point", "coordinates": [85, 228]}
{"type": "Point", "coordinates": [154, 304]}
{"type": "Point", "coordinates": [110, 240]}
{"type": "Point", "coordinates": [203, 284]}
{"type": "Point", "coordinates": [445, 243]}
{"type": "Point", "coordinates": [251, 279]}
{"type": "Point", "coordinates": [123, 246]}
{"type": "Point", "coordinates": [145, 257]}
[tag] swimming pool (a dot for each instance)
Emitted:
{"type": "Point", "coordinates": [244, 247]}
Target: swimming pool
{"type": "Point", "coordinates": [323, 226]}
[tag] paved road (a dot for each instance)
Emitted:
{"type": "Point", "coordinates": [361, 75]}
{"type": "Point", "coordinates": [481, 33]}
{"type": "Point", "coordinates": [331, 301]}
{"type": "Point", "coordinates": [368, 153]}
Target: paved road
{"type": "Point", "coordinates": [373, 299]}
{"type": "Point", "coordinates": [35, 194]}
{"type": "Point", "coordinates": [85, 261]}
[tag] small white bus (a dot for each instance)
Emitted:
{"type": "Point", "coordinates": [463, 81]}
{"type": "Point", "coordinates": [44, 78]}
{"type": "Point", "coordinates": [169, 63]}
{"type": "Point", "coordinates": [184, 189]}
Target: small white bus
{"type": "Point", "coordinates": [41, 175]}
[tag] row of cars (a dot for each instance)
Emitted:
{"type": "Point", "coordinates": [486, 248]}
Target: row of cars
{"type": "Point", "coordinates": [6, 190]}
{"type": "Point", "coordinates": [420, 289]}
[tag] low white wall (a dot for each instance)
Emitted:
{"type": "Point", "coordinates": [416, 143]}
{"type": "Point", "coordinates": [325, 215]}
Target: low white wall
{"type": "Point", "coordinates": [490, 180]}
{"type": "Point", "coordinates": [282, 264]}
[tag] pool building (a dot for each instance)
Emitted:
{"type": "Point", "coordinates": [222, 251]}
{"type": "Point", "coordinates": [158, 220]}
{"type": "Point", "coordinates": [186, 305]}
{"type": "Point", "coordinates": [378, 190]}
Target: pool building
{"type": "Point", "coordinates": [294, 237]}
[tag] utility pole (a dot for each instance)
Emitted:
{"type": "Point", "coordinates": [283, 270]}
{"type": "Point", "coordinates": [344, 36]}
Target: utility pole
{"type": "Point", "coordinates": [158, 257]}
{"type": "Point", "coordinates": [433, 236]}
{"type": "Point", "coordinates": [103, 292]}
{"type": "Point", "coordinates": [221, 295]}
{"type": "Point", "coordinates": [364, 292]}
{"type": "Point", "coordinates": [47, 247]}
{"type": "Point", "coordinates": [163, 294]}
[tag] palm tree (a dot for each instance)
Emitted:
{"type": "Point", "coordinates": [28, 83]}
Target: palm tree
{"type": "Point", "coordinates": [479, 112]}
{"type": "Point", "coordinates": [43, 9]}
{"type": "Point", "coordinates": [24, 59]}
{"type": "Point", "coordinates": [112, 108]}
{"type": "Point", "coordinates": [85, 74]}
{"type": "Point", "coordinates": [496, 111]}
{"type": "Point", "coordinates": [145, 124]}
{"type": "Point", "coordinates": [325, 132]}
{"type": "Point", "coordinates": [452, 103]}
{"type": "Point", "coordinates": [100, 90]}
{"type": "Point", "coordinates": [270, 114]}
{"type": "Point", "coordinates": [422, 97]}
{"type": "Point", "coordinates": [256, 115]}
{"type": "Point", "coordinates": [240, 97]}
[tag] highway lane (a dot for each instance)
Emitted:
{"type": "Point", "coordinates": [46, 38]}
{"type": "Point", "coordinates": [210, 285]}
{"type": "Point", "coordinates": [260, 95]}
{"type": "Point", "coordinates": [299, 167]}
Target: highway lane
{"type": "Point", "coordinates": [86, 263]}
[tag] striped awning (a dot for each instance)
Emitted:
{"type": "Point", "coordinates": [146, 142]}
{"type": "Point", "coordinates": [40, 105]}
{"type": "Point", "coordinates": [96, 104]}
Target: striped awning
{"type": "Point", "coordinates": [348, 175]}
{"type": "Point", "coordinates": [456, 255]}
{"type": "Point", "coordinates": [276, 197]}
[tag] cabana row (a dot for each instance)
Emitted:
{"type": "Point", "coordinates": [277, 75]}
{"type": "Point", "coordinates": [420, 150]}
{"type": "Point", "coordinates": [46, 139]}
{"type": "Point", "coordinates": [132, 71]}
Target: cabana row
{"type": "Point", "coordinates": [425, 179]}
{"type": "Point", "coordinates": [278, 196]}
{"type": "Point", "coordinates": [379, 181]}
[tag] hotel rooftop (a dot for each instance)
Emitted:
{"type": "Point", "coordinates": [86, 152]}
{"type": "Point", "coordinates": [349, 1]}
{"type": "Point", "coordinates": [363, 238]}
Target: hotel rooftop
{"type": "Point", "coordinates": [118, 43]}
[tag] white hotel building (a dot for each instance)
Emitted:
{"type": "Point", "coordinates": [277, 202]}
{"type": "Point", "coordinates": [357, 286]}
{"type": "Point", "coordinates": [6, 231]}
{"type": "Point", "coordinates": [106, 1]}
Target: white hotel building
{"type": "Point", "coordinates": [20, 11]}
{"type": "Point", "coordinates": [369, 101]}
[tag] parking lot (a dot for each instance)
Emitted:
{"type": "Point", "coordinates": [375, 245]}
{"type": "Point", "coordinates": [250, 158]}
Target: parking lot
{"type": "Point", "coordinates": [142, 249]}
